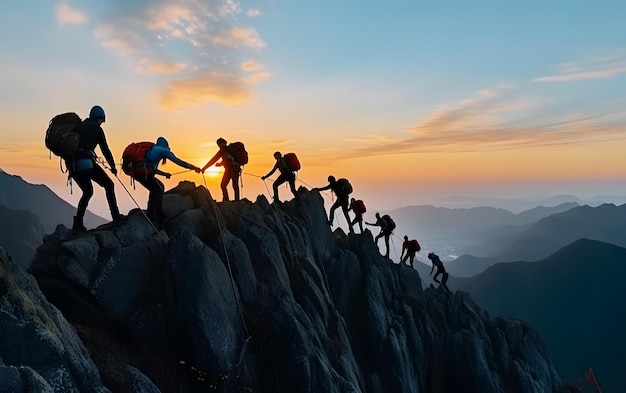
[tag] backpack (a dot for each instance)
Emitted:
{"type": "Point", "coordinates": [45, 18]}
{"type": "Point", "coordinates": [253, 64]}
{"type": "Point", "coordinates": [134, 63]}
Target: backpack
{"type": "Point", "coordinates": [292, 161]}
{"type": "Point", "coordinates": [344, 186]}
{"type": "Point", "coordinates": [134, 159]}
{"type": "Point", "coordinates": [60, 136]}
{"type": "Point", "coordinates": [237, 150]}
{"type": "Point", "coordinates": [390, 222]}
{"type": "Point", "coordinates": [360, 206]}
{"type": "Point", "coordinates": [414, 246]}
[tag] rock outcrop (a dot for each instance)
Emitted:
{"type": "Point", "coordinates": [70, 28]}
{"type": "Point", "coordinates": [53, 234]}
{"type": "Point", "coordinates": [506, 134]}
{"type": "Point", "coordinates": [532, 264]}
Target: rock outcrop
{"type": "Point", "coordinates": [253, 297]}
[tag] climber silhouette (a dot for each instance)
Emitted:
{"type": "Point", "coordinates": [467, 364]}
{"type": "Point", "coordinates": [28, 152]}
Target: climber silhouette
{"type": "Point", "coordinates": [342, 190]}
{"type": "Point", "coordinates": [358, 207]}
{"type": "Point", "coordinates": [286, 175]}
{"type": "Point", "coordinates": [434, 258]}
{"type": "Point", "coordinates": [385, 230]}
{"type": "Point", "coordinates": [410, 247]}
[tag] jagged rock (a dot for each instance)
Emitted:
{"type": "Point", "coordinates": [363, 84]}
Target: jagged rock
{"type": "Point", "coordinates": [251, 295]}
{"type": "Point", "coordinates": [39, 349]}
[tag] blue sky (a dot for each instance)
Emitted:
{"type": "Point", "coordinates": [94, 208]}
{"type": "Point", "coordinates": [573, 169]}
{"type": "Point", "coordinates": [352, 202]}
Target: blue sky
{"type": "Point", "coordinates": [425, 99]}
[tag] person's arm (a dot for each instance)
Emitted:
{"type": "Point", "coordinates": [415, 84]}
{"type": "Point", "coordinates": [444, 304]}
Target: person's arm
{"type": "Point", "coordinates": [271, 172]}
{"type": "Point", "coordinates": [432, 268]}
{"type": "Point", "coordinates": [213, 160]}
{"type": "Point", "coordinates": [160, 172]}
{"type": "Point", "coordinates": [106, 151]}
{"type": "Point", "coordinates": [171, 156]}
{"type": "Point", "coordinates": [325, 188]}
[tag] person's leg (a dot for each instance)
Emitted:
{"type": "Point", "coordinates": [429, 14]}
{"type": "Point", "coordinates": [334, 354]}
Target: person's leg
{"type": "Point", "coordinates": [224, 185]}
{"type": "Point", "coordinates": [332, 212]}
{"type": "Point", "coordinates": [83, 180]}
{"type": "Point", "coordinates": [403, 260]}
{"type": "Point", "coordinates": [411, 258]}
{"type": "Point", "coordinates": [291, 178]}
{"type": "Point", "coordinates": [104, 181]}
{"type": "Point", "coordinates": [279, 180]}
{"type": "Point", "coordinates": [444, 279]}
{"type": "Point", "coordinates": [387, 245]}
{"type": "Point", "coordinates": [155, 197]}
{"type": "Point", "coordinates": [345, 213]}
{"type": "Point", "coordinates": [235, 182]}
{"type": "Point", "coordinates": [435, 277]}
{"type": "Point", "coordinates": [360, 218]}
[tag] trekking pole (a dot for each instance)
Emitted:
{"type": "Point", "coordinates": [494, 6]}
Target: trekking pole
{"type": "Point", "coordinates": [142, 212]}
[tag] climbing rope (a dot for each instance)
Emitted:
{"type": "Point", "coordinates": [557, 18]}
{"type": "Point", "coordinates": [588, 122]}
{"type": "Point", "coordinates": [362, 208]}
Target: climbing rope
{"type": "Point", "coordinates": [100, 161]}
{"type": "Point", "coordinates": [230, 272]}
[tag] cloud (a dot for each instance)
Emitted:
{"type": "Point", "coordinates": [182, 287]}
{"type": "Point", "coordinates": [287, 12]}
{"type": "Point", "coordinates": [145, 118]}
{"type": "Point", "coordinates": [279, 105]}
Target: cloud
{"type": "Point", "coordinates": [604, 66]}
{"type": "Point", "coordinates": [227, 89]}
{"type": "Point", "coordinates": [69, 16]}
{"type": "Point", "coordinates": [191, 42]}
{"type": "Point", "coordinates": [477, 124]}
{"type": "Point", "coordinates": [253, 12]}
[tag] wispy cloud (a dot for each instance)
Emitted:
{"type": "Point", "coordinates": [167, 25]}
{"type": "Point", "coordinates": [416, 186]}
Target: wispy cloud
{"type": "Point", "coordinates": [200, 45]}
{"type": "Point", "coordinates": [477, 124]}
{"type": "Point", "coordinates": [69, 16]}
{"type": "Point", "coordinates": [605, 66]}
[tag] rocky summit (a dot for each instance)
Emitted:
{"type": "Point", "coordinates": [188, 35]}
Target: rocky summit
{"type": "Point", "coordinates": [247, 297]}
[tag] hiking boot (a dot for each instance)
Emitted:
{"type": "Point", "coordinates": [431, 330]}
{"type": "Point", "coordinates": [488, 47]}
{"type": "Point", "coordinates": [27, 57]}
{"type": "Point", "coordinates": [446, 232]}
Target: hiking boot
{"type": "Point", "coordinates": [78, 227]}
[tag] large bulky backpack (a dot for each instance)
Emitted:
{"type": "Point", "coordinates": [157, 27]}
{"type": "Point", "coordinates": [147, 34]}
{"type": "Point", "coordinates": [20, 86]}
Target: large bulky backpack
{"type": "Point", "coordinates": [360, 206]}
{"type": "Point", "coordinates": [345, 186]}
{"type": "Point", "coordinates": [237, 150]}
{"type": "Point", "coordinates": [414, 245]}
{"type": "Point", "coordinates": [134, 159]}
{"type": "Point", "coordinates": [292, 161]}
{"type": "Point", "coordinates": [390, 222]}
{"type": "Point", "coordinates": [60, 136]}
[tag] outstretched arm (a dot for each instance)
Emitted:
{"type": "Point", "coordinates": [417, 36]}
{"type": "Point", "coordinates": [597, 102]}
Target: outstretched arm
{"type": "Point", "coordinates": [431, 269]}
{"type": "Point", "coordinates": [180, 162]}
{"type": "Point", "coordinates": [270, 172]}
{"type": "Point", "coordinates": [213, 160]}
{"type": "Point", "coordinates": [325, 188]}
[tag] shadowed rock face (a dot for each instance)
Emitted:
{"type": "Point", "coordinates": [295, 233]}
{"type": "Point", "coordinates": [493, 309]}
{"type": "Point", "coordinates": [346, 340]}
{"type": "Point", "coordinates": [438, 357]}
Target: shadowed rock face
{"type": "Point", "coordinates": [242, 296]}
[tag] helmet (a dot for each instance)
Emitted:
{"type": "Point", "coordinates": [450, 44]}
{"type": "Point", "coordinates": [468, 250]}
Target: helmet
{"type": "Point", "coordinates": [97, 112]}
{"type": "Point", "coordinates": [277, 154]}
{"type": "Point", "coordinates": [221, 141]}
{"type": "Point", "coordinates": [331, 179]}
{"type": "Point", "coordinates": [431, 255]}
{"type": "Point", "coordinates": [162, 142]}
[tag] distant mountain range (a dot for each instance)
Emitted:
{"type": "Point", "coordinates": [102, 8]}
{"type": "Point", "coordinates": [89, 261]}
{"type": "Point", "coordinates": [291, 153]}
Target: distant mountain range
{"type": "Point", "coordinates": [474, 239]}
{"type": "Point", "coordinates": [575, 300]}
{"type": "Point", "coordinates": [17, 194]}
{"type": "Point", "coordinates": [517, 205]}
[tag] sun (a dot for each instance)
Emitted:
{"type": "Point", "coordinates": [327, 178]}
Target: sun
{"type": "Point", "coordinates": [214, 171]}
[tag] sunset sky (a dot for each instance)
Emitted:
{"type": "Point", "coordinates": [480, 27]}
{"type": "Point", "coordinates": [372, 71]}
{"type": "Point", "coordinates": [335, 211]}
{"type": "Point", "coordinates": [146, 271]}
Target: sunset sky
{"type": "Point", "coordinates": [410, 100]}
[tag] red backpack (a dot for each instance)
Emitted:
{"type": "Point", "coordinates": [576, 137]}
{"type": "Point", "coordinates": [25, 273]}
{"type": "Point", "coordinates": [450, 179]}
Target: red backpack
{"type": "Point", "coordinates": [414, 246]}
{"type": "Point", "coordinates": [134, 160]}
{"type": "Point", "coordinates": [360, 206]}
{"type": "Point", "coordinates": [292, 161]}
{"type": "Point", "coordinates": [390, 222]}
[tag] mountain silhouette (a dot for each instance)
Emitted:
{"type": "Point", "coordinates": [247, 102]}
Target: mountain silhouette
{"type": "Point", "coordinates": [575, 300]}
{"type": "Point", "coordinates": [17, 194]}
{"type": "Point", "coordinates": [245, 296]}
{"type": "Point", "coordinates": [20, 234]}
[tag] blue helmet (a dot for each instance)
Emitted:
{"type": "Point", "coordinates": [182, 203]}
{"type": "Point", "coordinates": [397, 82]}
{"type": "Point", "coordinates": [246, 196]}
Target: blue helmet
{"type": "Point", "coordinates": [162, 142]}
{"type": "Point", "coordinates": [97, 112]}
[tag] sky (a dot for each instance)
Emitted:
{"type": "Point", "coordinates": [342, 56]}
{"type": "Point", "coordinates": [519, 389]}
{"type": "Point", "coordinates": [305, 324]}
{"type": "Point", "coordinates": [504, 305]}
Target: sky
{"type": "Point", "coordinates": [413, 101]}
